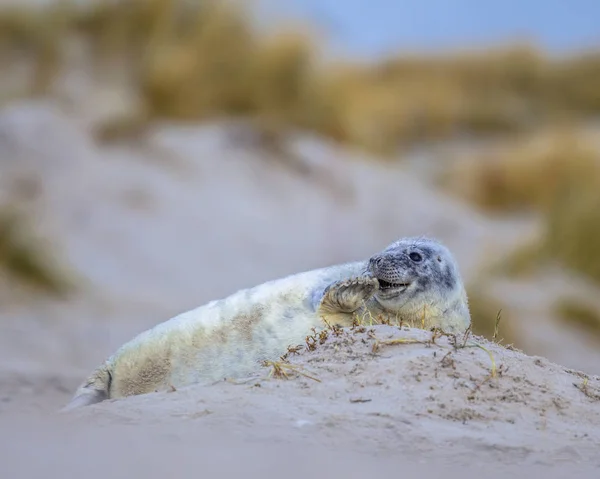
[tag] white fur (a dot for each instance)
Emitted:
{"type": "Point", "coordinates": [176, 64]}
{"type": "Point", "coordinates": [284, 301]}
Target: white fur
{"type": "Point", "coordinates": [203, 345]}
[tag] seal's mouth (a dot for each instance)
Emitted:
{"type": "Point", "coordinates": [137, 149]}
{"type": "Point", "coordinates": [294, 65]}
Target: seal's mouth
{"type": "Point", "coordinates": [386, 286]}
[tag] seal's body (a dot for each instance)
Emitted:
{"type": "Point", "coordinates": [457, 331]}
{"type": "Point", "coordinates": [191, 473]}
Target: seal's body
{"type": "Point", "coordinates": [411, 280]}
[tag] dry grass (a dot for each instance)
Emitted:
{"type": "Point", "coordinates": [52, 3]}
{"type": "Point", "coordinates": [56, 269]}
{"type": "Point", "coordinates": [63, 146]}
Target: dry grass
{"type": "Point", "coordinates": [363, 334]}
{"type": "Point", "coordinates": [22, 259]}
{"type": "Point", "coordinates": [205, 59]}
{"type": "Point", "coordinates": [282, 370]}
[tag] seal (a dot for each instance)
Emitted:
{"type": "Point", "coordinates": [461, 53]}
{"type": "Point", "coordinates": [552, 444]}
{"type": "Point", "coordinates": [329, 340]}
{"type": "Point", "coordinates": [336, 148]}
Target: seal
{"type": "Point", "coordinates": [413, 280]}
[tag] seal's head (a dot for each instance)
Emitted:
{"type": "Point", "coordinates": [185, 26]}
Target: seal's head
{"type": "Point", "coordinates": [419, 272]}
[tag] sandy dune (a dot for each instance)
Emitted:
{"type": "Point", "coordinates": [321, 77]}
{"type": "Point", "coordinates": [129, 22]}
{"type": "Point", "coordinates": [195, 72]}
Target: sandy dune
{"type": "Point", "coordinates": [366, 406]}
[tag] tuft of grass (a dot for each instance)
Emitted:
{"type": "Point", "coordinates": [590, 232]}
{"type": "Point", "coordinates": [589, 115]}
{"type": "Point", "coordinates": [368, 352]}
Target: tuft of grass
{"type": "Point", "coordinates": [573, 311]}
{"type": "Point", "coordinates": [591, 392]}
{"type": "Point", "coordinates": [282, 370]}
{"type": "Point", "coordinates": [22, 260]}
{"type": "Point", "coordinates": [455, 341]}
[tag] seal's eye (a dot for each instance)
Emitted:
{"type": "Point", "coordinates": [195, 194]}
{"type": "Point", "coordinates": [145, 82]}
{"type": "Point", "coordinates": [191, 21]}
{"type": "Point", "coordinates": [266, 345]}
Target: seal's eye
{"type": "Point", "coordinates": [416, 257]}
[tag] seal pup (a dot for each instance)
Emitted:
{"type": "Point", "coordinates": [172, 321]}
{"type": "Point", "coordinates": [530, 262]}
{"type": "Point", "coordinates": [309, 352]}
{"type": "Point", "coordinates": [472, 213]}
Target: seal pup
{"type": "Point", "coordinates": [413, 279]}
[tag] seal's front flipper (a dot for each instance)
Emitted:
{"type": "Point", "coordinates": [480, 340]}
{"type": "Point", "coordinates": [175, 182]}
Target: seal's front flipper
{"type": "Point", "coordinates": [347, 296]}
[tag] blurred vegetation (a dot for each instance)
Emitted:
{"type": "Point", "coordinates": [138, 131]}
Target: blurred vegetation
{"type": "Point", "coordinates": [556, 174]}
{"type": "Point", "coordinates": [572, 223]}
{"type": "Point", "coordinates": [580, 314]}
{"type": "Point", "coordinates": [23, 259]}
{"type": "Point", "coordinates": [527, 173]}
{"type": "Point", "coordinates": [523, 261]}
{"type": "Point", "coordinates": [197, 60]}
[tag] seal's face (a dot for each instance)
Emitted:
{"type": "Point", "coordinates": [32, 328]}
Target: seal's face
{"type": "Point", "coordinates": [412, 269]}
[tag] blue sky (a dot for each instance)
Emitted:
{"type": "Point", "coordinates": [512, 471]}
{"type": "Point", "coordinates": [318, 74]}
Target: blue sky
{"type": "Point", "coordinates": [371, 27]}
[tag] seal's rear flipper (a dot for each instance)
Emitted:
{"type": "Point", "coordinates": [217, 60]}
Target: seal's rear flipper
{"type": "Point", "coordinates": [85, 397]}
{"type": "Point", "coordinates": [95, 389]}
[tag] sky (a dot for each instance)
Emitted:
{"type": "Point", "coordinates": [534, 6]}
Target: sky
{"type": "Point", "coordinates": [374, 27]}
